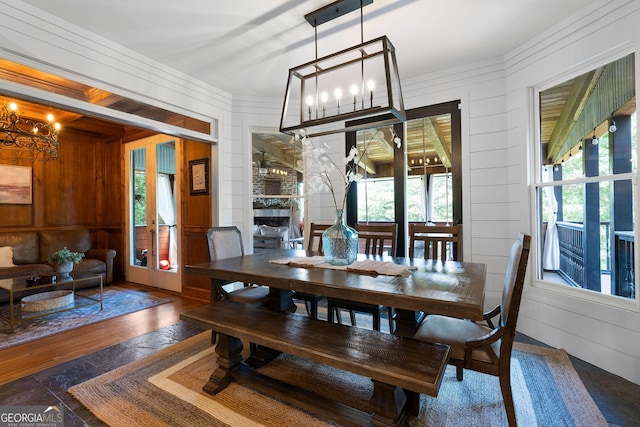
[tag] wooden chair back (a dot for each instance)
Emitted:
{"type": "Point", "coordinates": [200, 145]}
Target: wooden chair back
{"type": "Point", "coordinates": [314, 241]}
{"type": "Point", "coordinates": [514, 283]}
{"type": "Point", "coordinates": [378, 238]}
{"type": "Point", "coordinates": [486, 349]}
{"type": "Point", "coordinates": [224, 242]}
{"type": "Point", "coordinates": [505, 332]}
{"type": "Point", "coordinates": [441, 242]}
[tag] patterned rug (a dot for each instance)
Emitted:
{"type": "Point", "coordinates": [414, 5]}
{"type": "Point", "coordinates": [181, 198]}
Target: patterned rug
{"type": "Point", "coordinates": [165, 390]}
{"type": "Point", "coordinates": [116, 302]}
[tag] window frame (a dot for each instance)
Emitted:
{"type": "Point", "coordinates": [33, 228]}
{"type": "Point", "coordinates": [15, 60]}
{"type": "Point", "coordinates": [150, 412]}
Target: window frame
{"type": "Point", "coordinates": [537, 187]}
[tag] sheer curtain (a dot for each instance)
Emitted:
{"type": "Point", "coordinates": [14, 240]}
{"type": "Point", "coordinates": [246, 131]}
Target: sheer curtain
{"type": "Point", "coordinates": [551, 252]}
{"type": "Point", "coordinates": [167, 210]}
{"type": "Point", "coordinates": [427, 198]}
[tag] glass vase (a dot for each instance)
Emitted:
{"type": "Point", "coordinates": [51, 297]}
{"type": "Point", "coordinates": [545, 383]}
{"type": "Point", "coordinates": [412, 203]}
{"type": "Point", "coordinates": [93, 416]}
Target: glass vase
{"type": "Point", "coordinates": [340, 242]}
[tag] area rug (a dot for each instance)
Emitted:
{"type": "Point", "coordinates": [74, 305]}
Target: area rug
{"type": "Point", "coordinates": [117, 301]}
{"type": "Point", "coordinates": [165, 390]}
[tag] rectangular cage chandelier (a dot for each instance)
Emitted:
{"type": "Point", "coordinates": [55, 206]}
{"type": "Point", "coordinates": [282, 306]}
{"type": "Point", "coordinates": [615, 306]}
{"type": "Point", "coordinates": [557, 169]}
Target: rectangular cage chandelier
{"type": "Point", "coordinates": [323, 96]}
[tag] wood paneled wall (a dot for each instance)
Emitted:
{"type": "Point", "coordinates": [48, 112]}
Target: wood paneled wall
{"type": "Point", "coordinates": [83, 188]}
{"type": "Point", "coordinates": [196, 220]}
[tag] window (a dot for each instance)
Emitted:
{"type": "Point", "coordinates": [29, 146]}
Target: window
{"type": "Point", "coordinates": [585, 192]}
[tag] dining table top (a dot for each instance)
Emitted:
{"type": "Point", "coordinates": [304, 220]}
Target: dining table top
{"type": "Point", "coordinates": [449, 288]}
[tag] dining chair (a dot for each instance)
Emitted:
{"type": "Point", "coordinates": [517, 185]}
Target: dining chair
{"type": "Point", "coordinates": [377, 239]}
{"type": "Point", "coordinates": [314, 244]}
{"type": "Point", "coordinates": [226, 242]}
{"type": "Point", "coordinates": [481, 348]}
{"type": "Point", "coordinates": [441, 242]}
{"type": "Point", "coordinates": [314, 241]}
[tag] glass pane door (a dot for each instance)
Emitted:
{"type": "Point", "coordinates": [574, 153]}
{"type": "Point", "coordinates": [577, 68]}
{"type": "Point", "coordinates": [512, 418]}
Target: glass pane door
{"type": "Point", "coordinates": [376, 192]}
{"type": "Point", "coordinates": [429, 176]}
{"type": "Point", "coordinates": [153, 257]}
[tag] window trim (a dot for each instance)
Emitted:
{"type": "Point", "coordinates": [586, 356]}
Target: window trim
{"type": "Point", "coordinates": [537, 185]}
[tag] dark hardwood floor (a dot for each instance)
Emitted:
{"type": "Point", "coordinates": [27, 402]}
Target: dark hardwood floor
{"type": "Point", "coordinates": [39, 373]}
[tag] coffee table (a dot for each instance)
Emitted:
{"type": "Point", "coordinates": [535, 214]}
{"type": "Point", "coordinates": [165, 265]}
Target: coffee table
{"type": "Point", "coordinates": [27, 283]}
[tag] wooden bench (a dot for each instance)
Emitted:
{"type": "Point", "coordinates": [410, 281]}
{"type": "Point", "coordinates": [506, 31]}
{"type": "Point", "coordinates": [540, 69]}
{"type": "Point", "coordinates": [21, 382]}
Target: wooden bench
{"type": "Point", "coordinates": [391, 362]}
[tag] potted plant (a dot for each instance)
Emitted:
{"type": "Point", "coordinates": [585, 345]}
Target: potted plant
{"type": "Point", "coordinates": [64, 260]}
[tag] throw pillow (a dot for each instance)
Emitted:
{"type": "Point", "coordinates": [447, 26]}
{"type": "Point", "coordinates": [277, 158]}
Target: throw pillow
{"type": "Point", "coordinates": [6, 257]}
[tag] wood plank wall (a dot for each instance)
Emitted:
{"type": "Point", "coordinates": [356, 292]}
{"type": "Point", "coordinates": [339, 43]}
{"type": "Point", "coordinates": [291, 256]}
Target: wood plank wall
{"type": "Point", "coordinates": [196, 220]}
{"type": "Point", "coordinates": [85, 188]}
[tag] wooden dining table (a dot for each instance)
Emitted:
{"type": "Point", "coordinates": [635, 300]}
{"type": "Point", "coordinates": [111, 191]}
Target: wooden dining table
{"type": "Point", "coordinates": [449, 288]}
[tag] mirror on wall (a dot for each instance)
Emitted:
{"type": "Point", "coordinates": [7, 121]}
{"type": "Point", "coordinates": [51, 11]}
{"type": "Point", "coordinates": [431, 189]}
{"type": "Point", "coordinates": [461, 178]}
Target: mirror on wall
{"type": "Point", "coordinates": [277, 192]}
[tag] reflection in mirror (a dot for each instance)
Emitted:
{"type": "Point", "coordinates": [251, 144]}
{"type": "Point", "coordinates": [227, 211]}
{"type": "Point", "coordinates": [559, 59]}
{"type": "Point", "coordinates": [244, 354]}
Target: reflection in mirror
{"type": "Point", "coordinates": [588, 145]}
{"type": "Point", "coordinates": [277, 192]}
{"type": "Point", "coordinates": [429, 183]}
{"type": "Point", "coordinates": [376, 188]}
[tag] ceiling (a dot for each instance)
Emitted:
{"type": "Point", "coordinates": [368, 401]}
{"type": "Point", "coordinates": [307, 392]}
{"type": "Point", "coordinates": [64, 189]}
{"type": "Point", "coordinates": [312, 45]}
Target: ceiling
{"type": "Point", "coordinates": [246, 47]}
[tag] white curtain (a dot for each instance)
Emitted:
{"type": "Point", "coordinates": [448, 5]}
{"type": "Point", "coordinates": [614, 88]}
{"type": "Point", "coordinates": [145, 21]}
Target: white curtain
{"type": "Point", "coordinates": [430, 203]}
{"type": "Point", "coordinates": [424, 198]}
{"type": "Point", "coordinates": [551, 252]}
{"type": "Point", "coordinates": [167, 210]}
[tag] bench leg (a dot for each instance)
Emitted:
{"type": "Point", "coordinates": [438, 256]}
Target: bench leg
{"type": "Point", "coordinates": [228, 350]}
{"type": "Point", "coordinates": [388, 404]}
{"type": "Point", "coordinates": [413, 402]}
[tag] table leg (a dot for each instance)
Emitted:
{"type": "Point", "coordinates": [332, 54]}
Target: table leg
{"type": "Point", "coordinates": [281, 300]}
{"type": "Point", "coordinates": [217, 292]}
{"type": "Point", "coordinates": [229, 351]}
{"type": "Point", "coordinates": [407, 321]}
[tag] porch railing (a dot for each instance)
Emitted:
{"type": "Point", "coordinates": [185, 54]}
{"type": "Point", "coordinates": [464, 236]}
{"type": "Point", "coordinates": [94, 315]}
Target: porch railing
{"type": "Point", "coordinates": [570, 237]}
{"type": "Point", "coordinates": [571, 253]}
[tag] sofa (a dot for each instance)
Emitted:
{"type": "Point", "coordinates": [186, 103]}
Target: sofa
{"type": "Point", "coordinates": [268, 237]}
{"type": "Point", "coordinates": [24, 253]}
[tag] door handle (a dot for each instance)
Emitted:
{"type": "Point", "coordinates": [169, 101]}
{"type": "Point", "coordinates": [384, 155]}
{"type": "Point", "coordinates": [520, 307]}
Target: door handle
{"type": "Point", "coordinates": [153, 248]}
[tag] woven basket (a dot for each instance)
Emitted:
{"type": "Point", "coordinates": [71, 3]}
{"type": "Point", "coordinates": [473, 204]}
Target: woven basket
{"type": "Point", "coordinates": [46, 301]}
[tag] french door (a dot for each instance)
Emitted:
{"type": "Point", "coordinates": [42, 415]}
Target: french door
{"type": "Point", "coordinates": [153, 256]}
{"type": "Point", "coordinates": [412, 172]}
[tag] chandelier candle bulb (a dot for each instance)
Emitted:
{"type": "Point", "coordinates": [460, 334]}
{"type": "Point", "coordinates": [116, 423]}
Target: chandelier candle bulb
{"type": "Point", "coordinates": [354, 92]}
{"type": "Point", "coordinates": [323, 98]}
{"type": "Point", "coordinates": [338, 94]}
{"type": "Point", "coordinates": [309, 104]}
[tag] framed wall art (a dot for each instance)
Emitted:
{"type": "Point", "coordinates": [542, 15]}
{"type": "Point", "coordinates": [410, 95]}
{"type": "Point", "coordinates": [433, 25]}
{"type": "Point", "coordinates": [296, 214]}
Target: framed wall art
{"type": "Point", "coordinates": [199, 177]}
{"type": "Point", "coordinates": [15, 185]}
